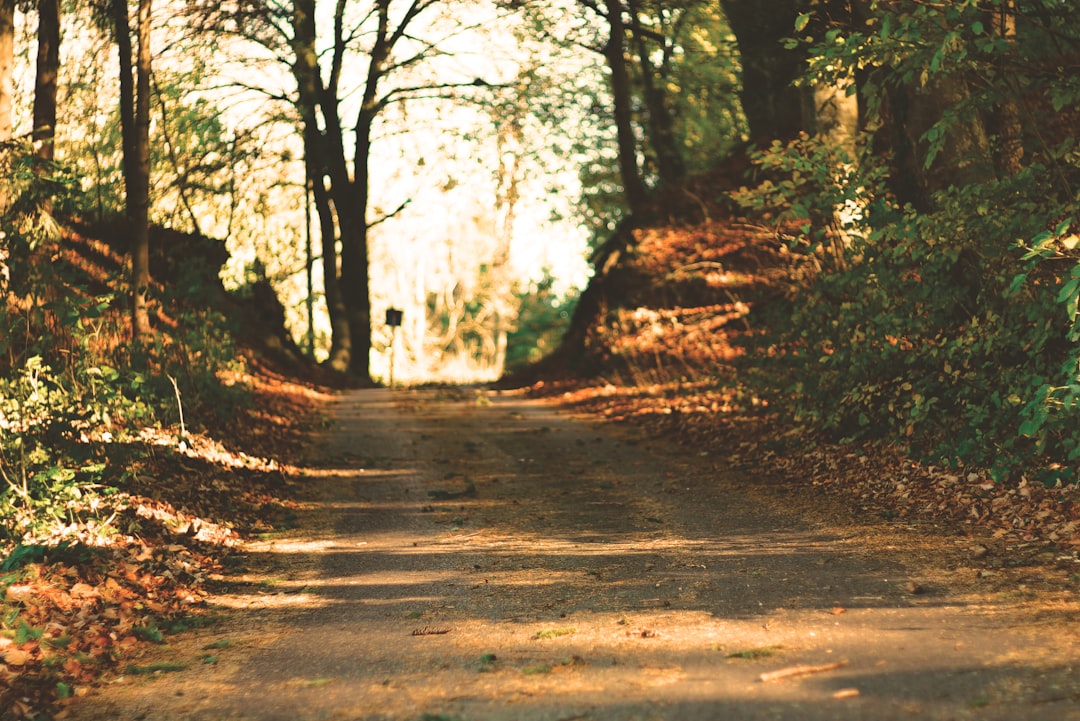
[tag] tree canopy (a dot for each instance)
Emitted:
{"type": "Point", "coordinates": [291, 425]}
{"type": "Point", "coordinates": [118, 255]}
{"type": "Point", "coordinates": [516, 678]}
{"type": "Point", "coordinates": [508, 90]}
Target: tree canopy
{"type": "Point", "coordinates": [918, 160]}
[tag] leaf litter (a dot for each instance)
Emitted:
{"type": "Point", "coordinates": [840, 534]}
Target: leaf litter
{"type": "Point", "coordinates": [73, 615]}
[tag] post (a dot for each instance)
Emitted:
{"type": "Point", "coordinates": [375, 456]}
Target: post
{"type": "Point", "coordinates": [393, 319]}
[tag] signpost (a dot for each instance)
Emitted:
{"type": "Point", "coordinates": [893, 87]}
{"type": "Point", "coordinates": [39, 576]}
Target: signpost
{"type": "Point", "coordinates": [393, 319]}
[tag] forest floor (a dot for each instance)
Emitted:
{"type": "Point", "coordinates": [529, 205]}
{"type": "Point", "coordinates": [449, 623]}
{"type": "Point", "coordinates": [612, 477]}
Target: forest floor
{"type": "Point", "coordinates": [467, 554]}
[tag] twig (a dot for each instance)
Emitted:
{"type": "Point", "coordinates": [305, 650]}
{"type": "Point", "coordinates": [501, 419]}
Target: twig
{"type": "Point", "coordinates": [179, 405]}
{"type": "Point", "coordinates": [792, 671]}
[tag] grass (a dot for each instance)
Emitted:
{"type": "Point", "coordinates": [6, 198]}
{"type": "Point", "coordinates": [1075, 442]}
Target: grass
{"type": "Point", "coordinates": [162, 667]}
{"type": "Point", "coordinates": [756, 653]}
{"type": "Point", "coordinates": [536, 669]}
{"type": "Point", "coordinates": [553, 633]}
{"type": "Point", "coordinates": [487, 663]}
{"type": "Point", "coordinates": [149, 632]}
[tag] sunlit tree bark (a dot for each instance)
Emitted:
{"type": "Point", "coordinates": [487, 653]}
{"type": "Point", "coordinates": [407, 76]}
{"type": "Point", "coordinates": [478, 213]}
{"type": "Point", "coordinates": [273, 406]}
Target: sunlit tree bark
{"type": "Point", "coordinates": [139, 201]}
{"type": "Point", "coordinates": [7, 67]}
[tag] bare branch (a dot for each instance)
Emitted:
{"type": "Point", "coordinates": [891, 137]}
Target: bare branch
{"type": "Point", "coordinates": [393, 213]}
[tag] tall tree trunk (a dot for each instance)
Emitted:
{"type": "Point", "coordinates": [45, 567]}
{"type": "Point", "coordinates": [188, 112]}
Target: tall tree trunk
{"type": "Point", "coordinates": [772, 104]}
{"type": "Point", "coordinates": [139, 187]}
{"type": "Point", "coordinates": [48, 68]}
{"type": "Point", "coordinates": [351, 199]}
{"type": "Point", "coordinates": [340, 337]}
{"type": "Point", "coordinates": [122, 30]}
{"type": "Point", "coordinates": [319, 154]}
{"type": "Point", "coordinates": [355, 281]}
{"type": "Point", "coordinates": [1009, 151]}
{"type": "Point", "coordinates": [7, 68]}
{"type": "Point", "coordinates": [671, 166]}
{"type": "Point", "coordinates": [615, 54]}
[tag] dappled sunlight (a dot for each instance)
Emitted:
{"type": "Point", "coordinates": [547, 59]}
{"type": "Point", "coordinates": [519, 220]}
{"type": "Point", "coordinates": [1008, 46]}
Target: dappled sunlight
{"type": "Point", "coordinates": [501, 561]}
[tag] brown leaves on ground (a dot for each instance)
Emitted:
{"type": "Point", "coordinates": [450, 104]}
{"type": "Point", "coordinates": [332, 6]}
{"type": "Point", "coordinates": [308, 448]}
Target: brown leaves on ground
{"type": "Point", "coordinates": [84, 611]}
{"type": "Point", "coordinates": [673, 346]}
{"type": "Point", "coordinates": [1008, 524]}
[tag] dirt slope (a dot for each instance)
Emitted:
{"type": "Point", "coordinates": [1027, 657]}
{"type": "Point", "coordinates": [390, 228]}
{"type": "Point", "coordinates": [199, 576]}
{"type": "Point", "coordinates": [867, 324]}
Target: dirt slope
{"type": "Point", "coordinates": [479, 556]}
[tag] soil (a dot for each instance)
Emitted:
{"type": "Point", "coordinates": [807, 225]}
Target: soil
{"type": "Point", "coordinates": [466, 554]}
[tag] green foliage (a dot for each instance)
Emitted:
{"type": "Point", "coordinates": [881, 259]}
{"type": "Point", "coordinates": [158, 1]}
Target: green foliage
{"type": "Point", "coordinates": [149, 632]}
{"type": "Point", "coordinates": [542, 318]}
{"type": "Point", "coordinates": [71, 386]}
{"type": "Point", "coordinates": [951, 327]}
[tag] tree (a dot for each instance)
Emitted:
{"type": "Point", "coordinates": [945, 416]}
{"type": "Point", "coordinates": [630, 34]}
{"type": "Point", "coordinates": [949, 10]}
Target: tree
{"type": "Point", "coordinates": [671, 167]}
{"type": "Point", "coordinates": [7, 68]}
{"type": "Point", "coordinates": [140, 185]}
{"type": "Point", "coordinates": [614, 51]}
{"type": "Point", "coordinates": [48, 67]}
{"type": "Point", "coordinates": [772, 103]}
{"type": "Point", "coordinates": [951, 322]}
{"type": "Point", "coordinates": [135, 127]}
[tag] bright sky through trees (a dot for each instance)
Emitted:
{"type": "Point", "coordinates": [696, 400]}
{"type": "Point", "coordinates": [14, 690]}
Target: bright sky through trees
{"type": "Point", "coordinates": [437, 158]}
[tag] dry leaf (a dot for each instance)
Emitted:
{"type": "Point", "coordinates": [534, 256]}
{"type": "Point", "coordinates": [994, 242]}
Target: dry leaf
{"type": "Point", "coordinates": [16, 657]}
{"type": "Point", "coordinates": [19, 593]}
{"type": "Point", "coordinates": [82, 591]}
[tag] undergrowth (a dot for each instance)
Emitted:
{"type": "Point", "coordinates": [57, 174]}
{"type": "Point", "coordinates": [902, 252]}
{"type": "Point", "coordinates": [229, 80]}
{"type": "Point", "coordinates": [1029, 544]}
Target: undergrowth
{"type": "Point", "coordinates": [77, 397]}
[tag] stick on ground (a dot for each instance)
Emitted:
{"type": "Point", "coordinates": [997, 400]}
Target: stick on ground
{"type": "Point", "coordinates": [805, 670]}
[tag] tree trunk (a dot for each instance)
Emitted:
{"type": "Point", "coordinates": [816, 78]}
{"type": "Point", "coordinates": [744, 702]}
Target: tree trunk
{"type": "Point", "coordinates": [340, 337]}
{"type": "Point", "coordinates": [1009, 150]}
{"type": "Point", "coordinates": [7, 68]}
{"type": "Point", "coordinates": [615, 54]}
{"type": "Point", "coordinates": [671, 167]}
{"type": "Point", "coordinates": [310, 96]}
{"type": "Point", "coordinates": [138, 201]}
{"type": "Point", "coordinates": [771, 102]}
{"type": "Point", "coordinates": [355, 283]}
{"type": "Point", "coordinates": [48, 67]}
{"type": "Point", "coordinates": [122, 30]}
{"type": "Point", "coordinates": [351, 199]}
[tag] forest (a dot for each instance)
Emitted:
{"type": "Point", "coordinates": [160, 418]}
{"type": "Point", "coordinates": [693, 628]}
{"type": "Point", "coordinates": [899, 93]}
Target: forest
{"type": "Point", "coordinates": [789, 224]}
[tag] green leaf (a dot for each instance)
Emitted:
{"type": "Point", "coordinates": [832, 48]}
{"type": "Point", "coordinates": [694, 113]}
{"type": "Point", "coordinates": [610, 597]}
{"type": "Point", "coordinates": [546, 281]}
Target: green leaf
{"type": "Point", "coordinates": [801, 22]}
{"type": "Point", "coordinates": [1068, 291]}
{"type": "Point", "coordinates": [1031, 427]}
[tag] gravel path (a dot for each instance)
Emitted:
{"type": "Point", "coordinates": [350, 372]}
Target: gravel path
{"type": "Point", "coordinates": [468, 555]}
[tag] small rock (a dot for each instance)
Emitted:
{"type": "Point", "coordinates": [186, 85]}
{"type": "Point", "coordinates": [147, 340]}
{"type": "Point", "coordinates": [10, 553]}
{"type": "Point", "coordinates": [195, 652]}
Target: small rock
{"type": "Point", "coordinates": [979, 551]}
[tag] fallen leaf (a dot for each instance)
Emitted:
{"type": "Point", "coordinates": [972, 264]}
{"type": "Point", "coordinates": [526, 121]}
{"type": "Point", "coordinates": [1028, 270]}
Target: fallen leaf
{"type": "Point", "coordinates": [82, 591]}
{"type": "Point", "coordinates": [16, 657]}
{"type": "Point", "coordinates": [19, 593]}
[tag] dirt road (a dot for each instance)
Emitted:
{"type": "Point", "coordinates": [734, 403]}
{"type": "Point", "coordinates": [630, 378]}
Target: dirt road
{"type": "Point", "coordinates": [470, 556]}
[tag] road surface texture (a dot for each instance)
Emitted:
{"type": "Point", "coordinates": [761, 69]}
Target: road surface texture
{"type": "Point", "coordinates": [473, 555]}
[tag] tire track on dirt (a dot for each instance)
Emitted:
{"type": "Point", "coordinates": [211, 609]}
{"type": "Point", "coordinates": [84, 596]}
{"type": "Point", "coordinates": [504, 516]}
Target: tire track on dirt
{"type": "Point", "coordinates": [470, 555]}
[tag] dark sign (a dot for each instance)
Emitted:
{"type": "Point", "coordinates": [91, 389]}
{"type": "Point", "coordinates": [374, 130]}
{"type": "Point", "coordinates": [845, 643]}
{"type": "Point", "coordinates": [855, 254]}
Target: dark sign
{"type": "Point", "coordinates": [393, 317]}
